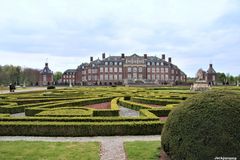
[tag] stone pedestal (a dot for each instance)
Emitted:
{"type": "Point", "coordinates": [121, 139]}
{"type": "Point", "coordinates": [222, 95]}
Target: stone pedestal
{"type": "Point", "coordinates": [200, 85]}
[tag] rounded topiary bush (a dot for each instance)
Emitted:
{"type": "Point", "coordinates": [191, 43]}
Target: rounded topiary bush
{"type": "Point", "coordinates": [205, 126]}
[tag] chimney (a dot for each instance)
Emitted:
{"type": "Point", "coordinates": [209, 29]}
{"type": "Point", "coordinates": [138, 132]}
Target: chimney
{"type": "Point", "coordinates": [210, 65]}
{"type": "Point", "coordinates": [123, 56]}
{"type": "Point", "coordinates": [91, 59]}
{"type": "Point", "coordinates": [46, 64]}
{"type": "Point", "coordinates": [170, 60]}
{"type": "Point", "coordinates": [145, 56]}
{"type": "Point", "coordinates": [163, 56]}
{"type": "Point", "coordinates": [103, 55]}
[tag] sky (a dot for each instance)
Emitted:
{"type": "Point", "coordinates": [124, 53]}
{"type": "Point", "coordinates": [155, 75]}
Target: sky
{"type": "Point", "coordinates": [65, 33]}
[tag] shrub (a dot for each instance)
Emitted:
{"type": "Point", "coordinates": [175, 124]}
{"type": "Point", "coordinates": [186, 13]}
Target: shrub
{"type": "Point", "coordinates": [67, 112]}
{"type": "Point", "coordinates": [51, 87]}
{"type": "Point", "coordinates": [79, 128]}
{"type": "Point", "coordinates": [4, 115]}
{"type": "Point", "coordinates": [133, 105]}
{"type": "Point", "coordinates": [155, 101]}
{"type": "Point", "coordinates": [205, 126]}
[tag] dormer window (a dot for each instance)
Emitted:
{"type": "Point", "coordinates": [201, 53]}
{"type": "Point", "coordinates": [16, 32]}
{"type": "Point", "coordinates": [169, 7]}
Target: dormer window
{"type": "Point", "coordinates": [106, 63]}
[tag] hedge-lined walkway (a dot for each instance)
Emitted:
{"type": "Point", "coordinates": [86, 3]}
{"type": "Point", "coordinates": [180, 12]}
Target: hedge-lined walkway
{"type": "Point", "coordinates": [111, 146]}
{"type": "Point", "coordinates": [126, 112]}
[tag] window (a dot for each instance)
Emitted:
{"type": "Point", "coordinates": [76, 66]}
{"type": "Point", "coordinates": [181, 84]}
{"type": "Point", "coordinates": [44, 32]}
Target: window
{"type": "Point", "coordinates": [162, 70]}
{"type": "Point", "coordinates": [106, 63]}
{"type": "Point", "coordinates": [106, 69]}
{"type": "Point", "coordinates": [111, 63]}
{"type": "Point", "coordinates": [157, 76]}
{"type": "Point", "coordinates": [153, 76]}
{"type": "Point", "coordinates": [115, 69]}
{"type": "Point", "coordinates": [89, 77]}
{"type": "Point", "coordinates": [140, 76]}
{"type": "Point", "coordinates": [115, 77]}
{"type": "Point", "coordinates": [148, 63]}
{"type": "Point", "coordinates": [148, 76]}
{"type": "Point", "coordinates": [115, 63]}
{"type": "Point", "coordinates": [172, 77]}
{"type": "Point", "coordinates": [120, 63]}
{"type": "Point", "coordinates": [101, 69]}
{"type": "Point", "coordinates": [135, 75]}
{"type": "Point", "coordinates": [134, 69]}
{"type": "Point", "coordinates": [157, 70]}
{"type": "Point", "coordinates": [140, 69]}
{"type": "Point", "coordinates": [120, 70]}
{"type": "Point", "coordinates": [101, 76]}
{"type": "Point", "coordinates": [177, 78]}
{"type": "Point", "coordinates": [166, 69]}
{"type": "Point", "coordinates": [129, 76]}
{"type": "Point", "coordinates": [148, 69]}
{"type": "Point", "coordinates": [166, 77]}
{"type": "Point", "coordinates": [110, 69]}
{"type": "Point", "coordinates": [153, 70]}
{"type": "Point", "coordinates": [172, 71]}
{"type": "Point", "coordinates": [120, 77]}
{"type": "Point", "coordinates": [93, 65]}
{"type": "Point", "coordinates": [106, 77]}
{"type": "Point", "coordinates": [129, 69]}
{"type": "Point", "coordinates": [110, 77]}
{"type": "Point", "coordinates": [157, 63]}
{"type": "Point", "coordinates": [161, 63]}
{"type": "Point", "coordinates": [44, 78]}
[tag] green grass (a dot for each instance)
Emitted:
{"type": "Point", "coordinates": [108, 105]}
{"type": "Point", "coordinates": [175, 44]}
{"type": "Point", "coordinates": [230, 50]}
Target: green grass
{"type": "Point", "coordinates": [145, 150]}
{"type": "Point", "coordinates": [23, 150]}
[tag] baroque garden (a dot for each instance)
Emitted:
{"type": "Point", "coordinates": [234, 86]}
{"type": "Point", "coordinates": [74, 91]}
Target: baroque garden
{"type": "Point", "coordinates": [103, 111]}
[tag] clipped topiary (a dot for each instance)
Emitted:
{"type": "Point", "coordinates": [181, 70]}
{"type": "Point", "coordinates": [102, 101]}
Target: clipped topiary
{"type": "Point", "coordinates": [205, 126]}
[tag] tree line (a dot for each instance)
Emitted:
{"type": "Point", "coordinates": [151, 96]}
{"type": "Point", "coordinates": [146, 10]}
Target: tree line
{"type": "Point", "coordinates": [227, 79]}
{"type": "Point", "coordinates": [19, 75]}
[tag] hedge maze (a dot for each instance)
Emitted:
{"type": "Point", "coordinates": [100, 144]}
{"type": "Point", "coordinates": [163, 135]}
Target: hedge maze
{"type": "Point", "coordinates": [88, 111]}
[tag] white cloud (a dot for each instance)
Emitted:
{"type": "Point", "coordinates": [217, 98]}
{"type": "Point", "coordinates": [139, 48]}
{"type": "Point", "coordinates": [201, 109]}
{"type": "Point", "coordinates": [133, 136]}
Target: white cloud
{"type": "Point", "coordinates": [67, 30]}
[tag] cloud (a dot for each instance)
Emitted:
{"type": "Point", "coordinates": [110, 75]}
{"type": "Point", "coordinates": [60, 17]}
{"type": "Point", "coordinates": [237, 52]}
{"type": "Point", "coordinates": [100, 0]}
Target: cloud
{"type": "Point", "coordinates": [192, 32]}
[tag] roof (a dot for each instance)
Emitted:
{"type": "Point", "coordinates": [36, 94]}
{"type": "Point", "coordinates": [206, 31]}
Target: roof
{"type": "Point", "coordinates": [69, 71]}
{"type": "Point", "coordinates": [210, 69]}
{"type": "Point", "coordinates": [46, 70]}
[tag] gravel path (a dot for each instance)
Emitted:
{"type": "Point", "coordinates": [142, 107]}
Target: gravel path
{"type": "Point", "coordinates": [112, 149]}
{"type": "Point", "coordinates": [22, 114]}
{"type": "Point", "coordinates": [126, 112]}
{"type": "Point", "coordinates": [111, 146]}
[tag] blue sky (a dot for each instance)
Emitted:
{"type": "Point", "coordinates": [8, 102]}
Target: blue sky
{"type": "Point", "coordinates": [67, 32]}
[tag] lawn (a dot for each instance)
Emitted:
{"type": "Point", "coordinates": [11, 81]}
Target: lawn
{"type": "Point", "coordinates": [145, 150]}
{"type": "Point", "coordinates": [23, 150]}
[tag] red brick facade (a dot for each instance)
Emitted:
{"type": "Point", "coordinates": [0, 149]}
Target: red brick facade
{"type": "Point", "coordinates": [126, 70]}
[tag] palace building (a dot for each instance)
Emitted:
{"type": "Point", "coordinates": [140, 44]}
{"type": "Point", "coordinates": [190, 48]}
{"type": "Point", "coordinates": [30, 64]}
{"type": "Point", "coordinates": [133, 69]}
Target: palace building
{"type": "Point", "coordinates": [46, 76]}
{"type": "Point", "coordinates": [117, 70]}
{"type": "Point", "coordinates": [209, 76]}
